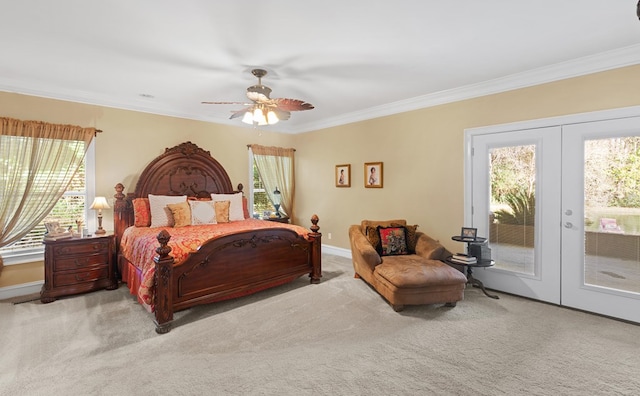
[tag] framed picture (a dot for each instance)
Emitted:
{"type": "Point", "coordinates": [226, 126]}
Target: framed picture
{"type": "Point", "coordinates": [468, 234]}
{"type": "Point", "coordinates": [343, 175]}
{"type": "Point", "coordinates": [373, 175]}
{"type": "Point", "coordinates": [52, 227]}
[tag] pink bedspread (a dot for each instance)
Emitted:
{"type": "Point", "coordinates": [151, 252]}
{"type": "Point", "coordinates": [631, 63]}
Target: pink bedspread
{"type": "Point", "coordinates": [139, 244]}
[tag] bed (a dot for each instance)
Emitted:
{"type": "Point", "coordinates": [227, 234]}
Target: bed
{"type": "Point", "coordinates": [237, 259]}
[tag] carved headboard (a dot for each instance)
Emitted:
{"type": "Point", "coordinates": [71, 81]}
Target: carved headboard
{"type": "Point", "coordinates": [185, 169]}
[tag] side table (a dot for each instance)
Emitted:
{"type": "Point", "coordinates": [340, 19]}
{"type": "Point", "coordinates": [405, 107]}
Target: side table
{"type": "Point", "coordinates": [468, 267]}
{"type": "Point", "coordinates": [283, 219]}
{"type": "Point", "coordinates": [78, 265]}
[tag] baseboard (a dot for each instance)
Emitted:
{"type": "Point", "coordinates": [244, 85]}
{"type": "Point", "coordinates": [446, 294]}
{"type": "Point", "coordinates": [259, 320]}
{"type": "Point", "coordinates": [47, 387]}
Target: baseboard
{"type": "Point", "coordinates": [20, 290]}
{"type": "Point", "coordinates": [336, 251]}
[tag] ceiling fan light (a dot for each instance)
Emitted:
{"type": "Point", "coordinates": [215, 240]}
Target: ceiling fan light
{"type": "Point", "coordinates": [248, 118]}
{"type": "Point", "coordinates": [258, 117]}
{"type": "Point", "coordinates": [272, 117]}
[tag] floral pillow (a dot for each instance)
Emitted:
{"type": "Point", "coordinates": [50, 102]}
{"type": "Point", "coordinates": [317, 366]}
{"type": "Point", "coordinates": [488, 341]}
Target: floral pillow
{"type": "Point", "coordinates": [202, 212]}
{"type": "Point", "coordinates": [245, 207]}
{"type": "Point", "coordinates": [236, 211]}
{"type": "Point", "coordinates": [161, 215]}
{"type": "Point", "coordinates": [181, 214]}
{"type": "Point", "coordinates": [410, 233]}
{"type": "Point", "coordinates": [393, 241]}
{"type": "Point", "coordinates": [141, 212]}
{"type": "Point", "coordinates": [222, 211]}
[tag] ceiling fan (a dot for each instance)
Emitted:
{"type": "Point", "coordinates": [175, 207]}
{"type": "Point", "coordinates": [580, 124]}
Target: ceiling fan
{"type": "Point", "coordinates": [263, 110]}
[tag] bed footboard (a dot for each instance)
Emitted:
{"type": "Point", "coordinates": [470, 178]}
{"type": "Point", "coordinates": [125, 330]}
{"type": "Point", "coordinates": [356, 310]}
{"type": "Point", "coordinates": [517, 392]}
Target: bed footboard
{"type": "Point", "coordinates": [232, 266]}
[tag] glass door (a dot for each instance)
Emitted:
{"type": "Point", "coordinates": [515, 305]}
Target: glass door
{"type": "Point", "coordinates": [601, 217]}
{"type": "Point", "coordinates": [515, 190]}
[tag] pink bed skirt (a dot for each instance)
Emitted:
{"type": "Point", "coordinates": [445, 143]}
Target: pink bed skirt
{"type": "Point", "coordinates": [132, 276]}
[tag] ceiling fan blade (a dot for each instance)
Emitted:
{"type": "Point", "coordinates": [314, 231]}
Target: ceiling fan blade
{"type": "Point", "coordinates": [282, 114]}
{"type": "Point", "coordinates": [239, 113]}
{"type": "Point", "coordinates": [291, 104]}
{"type": "Point", "coordinates": [240, 103]}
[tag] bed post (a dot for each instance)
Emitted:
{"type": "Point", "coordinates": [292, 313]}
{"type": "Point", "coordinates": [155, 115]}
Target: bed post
{"type": "Point", "coordinates": [163, 284]}
{"type": "Point", "coordinates": [316, 250]}
{"type": "Point", "coordinates": [122, 218]}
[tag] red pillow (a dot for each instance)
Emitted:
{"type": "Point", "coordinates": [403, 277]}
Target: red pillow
{"type": "Point", "coordinates": [141, 212]}
{"type": "Point", "coordinates": [393, 241]}
{"type": "Point", "coordinates": [245, 207]}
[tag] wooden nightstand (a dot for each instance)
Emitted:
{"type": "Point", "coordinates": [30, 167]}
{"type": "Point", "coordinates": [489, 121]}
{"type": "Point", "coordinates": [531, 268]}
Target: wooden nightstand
{"type": "Point", "coordinates": [283, 219]}
{"type": "Point", "coordinates": [78, 265]}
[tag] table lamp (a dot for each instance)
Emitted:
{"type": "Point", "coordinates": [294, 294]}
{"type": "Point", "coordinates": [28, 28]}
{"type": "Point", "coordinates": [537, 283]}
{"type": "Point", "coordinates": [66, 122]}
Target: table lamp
{"type": "Point", "coordinates": [277, 197]}
{"type": "Point", "coordinates": [98, 204]}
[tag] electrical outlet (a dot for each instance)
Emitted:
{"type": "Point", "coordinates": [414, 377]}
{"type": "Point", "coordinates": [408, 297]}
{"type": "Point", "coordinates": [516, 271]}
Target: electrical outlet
{"type": "Point", "coordinates": [329, 235]}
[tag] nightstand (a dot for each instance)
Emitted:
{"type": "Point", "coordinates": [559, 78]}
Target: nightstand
{"type": "Point", "coordinates": [283, 219]}
{"type": "Point", "coordinates": [78, 265]}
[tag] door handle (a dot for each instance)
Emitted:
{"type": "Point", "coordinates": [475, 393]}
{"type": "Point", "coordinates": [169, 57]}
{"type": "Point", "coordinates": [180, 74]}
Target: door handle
{"type": "Point", "coordinates": [568, 225]}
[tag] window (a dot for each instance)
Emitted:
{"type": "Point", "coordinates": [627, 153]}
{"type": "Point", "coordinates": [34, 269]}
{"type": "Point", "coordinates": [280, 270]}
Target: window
{"type": "Point", "coordinates": [72, 206]}
{"type": "Point", "coordinates": [271, 169]}
{"type": "Point", "coordinates": [261, 201]}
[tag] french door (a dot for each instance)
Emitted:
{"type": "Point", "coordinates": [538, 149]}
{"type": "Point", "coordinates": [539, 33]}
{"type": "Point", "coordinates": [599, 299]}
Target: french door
{"type": "Point", "coordinates": [601, 213]}
{"type": "Point", "coordinates": [521, 167]}
{"type": "Point", "coordinates": [560, 206]}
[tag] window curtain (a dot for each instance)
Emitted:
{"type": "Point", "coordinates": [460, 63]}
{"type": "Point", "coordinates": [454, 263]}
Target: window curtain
{"type": "Point", "coordinates": [275, 167]}
{"type": "Point", "coordinates": [37, 162]}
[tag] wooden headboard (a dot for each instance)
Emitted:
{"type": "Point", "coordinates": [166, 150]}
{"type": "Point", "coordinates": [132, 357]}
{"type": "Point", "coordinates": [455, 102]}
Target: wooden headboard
{"type": "Point", "coordinates": [185, 169]}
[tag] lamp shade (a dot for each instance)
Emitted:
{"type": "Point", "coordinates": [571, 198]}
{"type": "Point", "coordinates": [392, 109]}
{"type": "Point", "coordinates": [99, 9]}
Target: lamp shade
{"type": "Point", "coordinates": [260, 115]}
{"type": "Point", "coordinates": [277, 197]}
{"type": "Point", "coordinates": [272, 118]}
{"type": "Point", "coordinates": [100, 203]}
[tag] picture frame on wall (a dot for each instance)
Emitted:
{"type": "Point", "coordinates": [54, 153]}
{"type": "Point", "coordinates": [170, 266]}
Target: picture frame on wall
{"type": "Point", "coordinates": [343, 175]}
{"type": "Point", "coordinates": [373, 175]}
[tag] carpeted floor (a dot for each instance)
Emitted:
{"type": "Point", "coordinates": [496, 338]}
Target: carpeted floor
{"type": "Point", "coordinates": [335, 338]}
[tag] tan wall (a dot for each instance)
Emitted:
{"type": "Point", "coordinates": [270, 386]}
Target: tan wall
{"type": "Point", "coordinates": [422, 152]}
{"type": "Point", "coordinates": [129, 141]}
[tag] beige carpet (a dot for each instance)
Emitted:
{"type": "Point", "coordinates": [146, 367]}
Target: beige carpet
{"type": "Point", "coordinates": [335, 338]}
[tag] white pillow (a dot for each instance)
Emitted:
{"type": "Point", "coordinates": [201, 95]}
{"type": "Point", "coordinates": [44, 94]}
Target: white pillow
{"type": "Point", "coordinates": [235, 208]}
{"type": "Point", "coordinates": [161, 215]}
{"type": "Point", "coordinates": [202, 212]}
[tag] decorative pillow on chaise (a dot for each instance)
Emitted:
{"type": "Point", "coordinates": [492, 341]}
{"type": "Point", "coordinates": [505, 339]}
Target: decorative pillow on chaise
{"type": "Point", "coordinates": [393, 241]}
{"type": "Point", "coordinates": [412, 238]}
{"type": "Point", "coordinates": [410, 233]}
{"type": "Point", "coordinates": [373, 237]}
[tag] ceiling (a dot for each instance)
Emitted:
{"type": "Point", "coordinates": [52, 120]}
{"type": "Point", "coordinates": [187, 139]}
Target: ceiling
{"type": "Point", "coordinates": [353, 60]}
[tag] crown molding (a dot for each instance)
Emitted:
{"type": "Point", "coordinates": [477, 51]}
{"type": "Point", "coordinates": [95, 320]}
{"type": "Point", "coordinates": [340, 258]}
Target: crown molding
{"type": "Point", "coordinates": [603, 61]}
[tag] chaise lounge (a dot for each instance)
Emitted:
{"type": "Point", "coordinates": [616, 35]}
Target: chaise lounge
{"type": "Point", "coordinates": [404, 265]}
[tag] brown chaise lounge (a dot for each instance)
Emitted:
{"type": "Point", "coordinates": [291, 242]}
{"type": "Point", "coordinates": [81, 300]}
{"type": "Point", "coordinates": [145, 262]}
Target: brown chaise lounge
{"type": "Point", "coordinates": [408, 279]}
